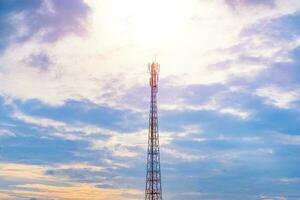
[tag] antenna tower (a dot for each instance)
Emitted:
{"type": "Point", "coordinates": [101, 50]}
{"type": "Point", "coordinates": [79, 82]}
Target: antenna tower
{"type": "Point", "coordinates": [153, 178]}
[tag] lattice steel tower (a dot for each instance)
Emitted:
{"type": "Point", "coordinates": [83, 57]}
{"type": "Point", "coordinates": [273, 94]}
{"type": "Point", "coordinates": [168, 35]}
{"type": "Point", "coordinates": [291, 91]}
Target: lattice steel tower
{"type": "Point", "coordinates": [153, 178]}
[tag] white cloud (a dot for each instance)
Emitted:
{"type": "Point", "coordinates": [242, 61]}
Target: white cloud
{"type": "Point", "coordinates": [132, 144]}
{"type": "Point", "coordinates": [287, 139]}
{"type": "Point", "coordinates": [183, 106]}
{"type": "Point", "coordinates": [118, 144]}
{"type": "Point", "coordinates": [78, 166]}
{"type": "Point", "coordinates": [62, 129]}
{"type": "Point", "coordinates": [279, 97]}
{"type": "Point", "coordinates": [236, 112]}
{"type": "Point", "coordinates": [266, 197]}
{"type": "Point", "coordinates": [6, 133]}
{"type": "Point", "coordinates": [190, 130]}
{"type": "Point", "coordinates": [239, 139]}
{"type": "Point", "coordinates": [290, 180]}
{"type": "Point", "coordinates": [210, 106]}
{"type": "Point", "coordinates": [182, 155]}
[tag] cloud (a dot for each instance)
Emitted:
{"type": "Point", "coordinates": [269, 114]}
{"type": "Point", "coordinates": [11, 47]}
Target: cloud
{"type": "Point", "coordinates": [76, 192]}
{"type": "Point", "coordinates": [6, 133]}
{"type": "Point", "coordinates": [290, 180]}
{"type": "Point", "coordinates": [107, 71]}
{"type": "Point", "coordinates": [266, 27]}
{"type": "Point", "coordinates": [51, 19]}
{"type": "Point", "coordinates": [278, 96]}
{"type": "Point", "coordinates": [266, 197]}
{"type": "Point", "coordinates": [235, 112]}
{"type": "Point", "coordinates": [113, 143]}
{"type": "Point", "coordinates": [213, 98]}
{"type": "Point", "coordinates": [5, 196]}
{"type": "Point", "coordinates": [216, 68]}
{"type": "Point", "coordinates": [40, 60]}
{"type": "Point", "coordinates": [116, 144]}
{"type": "Point", "coordinates": [62, 129]}
{"type": "Point", "coordinates": [80, 166]}
{"type": "Point", "coordinates": [80, 172]}
{"type": "Point", "coordinates": [108, 75]}
{"type": "Point", "coordinates": [17, 172]}
{"type": "Point", "coordinates": [33, 181]}
{"type": "Point", "coordinates": [132, 144]}
{"type": "Point", "coordinates": [239, 139]}
{"type": "Point", "coordinates": [287, 139]}
{"type": "Point", "coordinates": [182, 156]}
{"type": "Point", "coordinates": [66, 172]}
{"type": "Point", "coordinates": [237, 3]}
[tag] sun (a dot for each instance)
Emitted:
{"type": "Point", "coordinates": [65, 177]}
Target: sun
{"type": "Point", "coordinates": [141, 21]}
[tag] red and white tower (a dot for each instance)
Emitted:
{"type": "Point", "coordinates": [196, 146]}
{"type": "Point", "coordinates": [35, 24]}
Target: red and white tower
{"type": "Point", "coordinates": [153, 178]}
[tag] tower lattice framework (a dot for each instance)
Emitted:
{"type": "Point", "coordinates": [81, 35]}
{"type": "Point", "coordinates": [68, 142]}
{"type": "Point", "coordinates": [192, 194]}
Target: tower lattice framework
{"type": "Point", "coordinates": [153, 178]}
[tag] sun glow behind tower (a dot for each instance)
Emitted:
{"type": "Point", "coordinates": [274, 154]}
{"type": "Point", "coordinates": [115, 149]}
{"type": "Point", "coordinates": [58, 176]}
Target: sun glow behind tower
{"type": "Point", "coordinates": [151, 20]}
{"type": "Point", "coordinates": [132, 30]}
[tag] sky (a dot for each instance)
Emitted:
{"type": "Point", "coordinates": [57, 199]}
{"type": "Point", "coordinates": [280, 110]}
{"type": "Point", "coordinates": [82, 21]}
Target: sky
{"type": "Point", "coordinates": [74, 98]}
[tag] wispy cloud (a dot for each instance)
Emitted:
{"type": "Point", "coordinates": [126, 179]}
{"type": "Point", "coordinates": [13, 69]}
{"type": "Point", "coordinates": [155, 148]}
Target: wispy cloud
{"type": "Point", "coordinates": [76, 191]}
{"type": "Point", "coordinates": [182, 156]}
{"type": "Point", "coordinates": [236, 112]}
{"type": "Point", "coordinates": [5, 133]}
{"type": "Point", "coordinates": [34, 181]}
{"type": "Point", "coordinates": [287, 139]}
{"type": "Point", "coordinates": [279, 97]}
{"type": "Point", "coordinates": [62, 129]}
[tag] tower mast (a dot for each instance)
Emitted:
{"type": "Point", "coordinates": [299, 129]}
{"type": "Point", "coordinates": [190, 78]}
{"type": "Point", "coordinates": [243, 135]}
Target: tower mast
{"type": "Point", "coordinates": [153, 178]}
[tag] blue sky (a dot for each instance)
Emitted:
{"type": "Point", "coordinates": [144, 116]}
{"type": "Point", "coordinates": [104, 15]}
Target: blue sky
{"type": "Point", "coordinates": [74, 98]}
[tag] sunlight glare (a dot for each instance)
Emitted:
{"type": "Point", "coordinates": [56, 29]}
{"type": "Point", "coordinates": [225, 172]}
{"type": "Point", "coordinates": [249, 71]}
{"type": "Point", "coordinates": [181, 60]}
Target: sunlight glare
{"type": "Point", "coordinates": [150, 20]}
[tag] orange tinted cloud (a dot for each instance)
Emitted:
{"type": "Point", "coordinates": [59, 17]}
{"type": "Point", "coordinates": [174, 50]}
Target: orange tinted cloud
{"type": "Point", "coordinates": [76, 192]}
{"type": "Point", "coordinates": [32, 181]}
